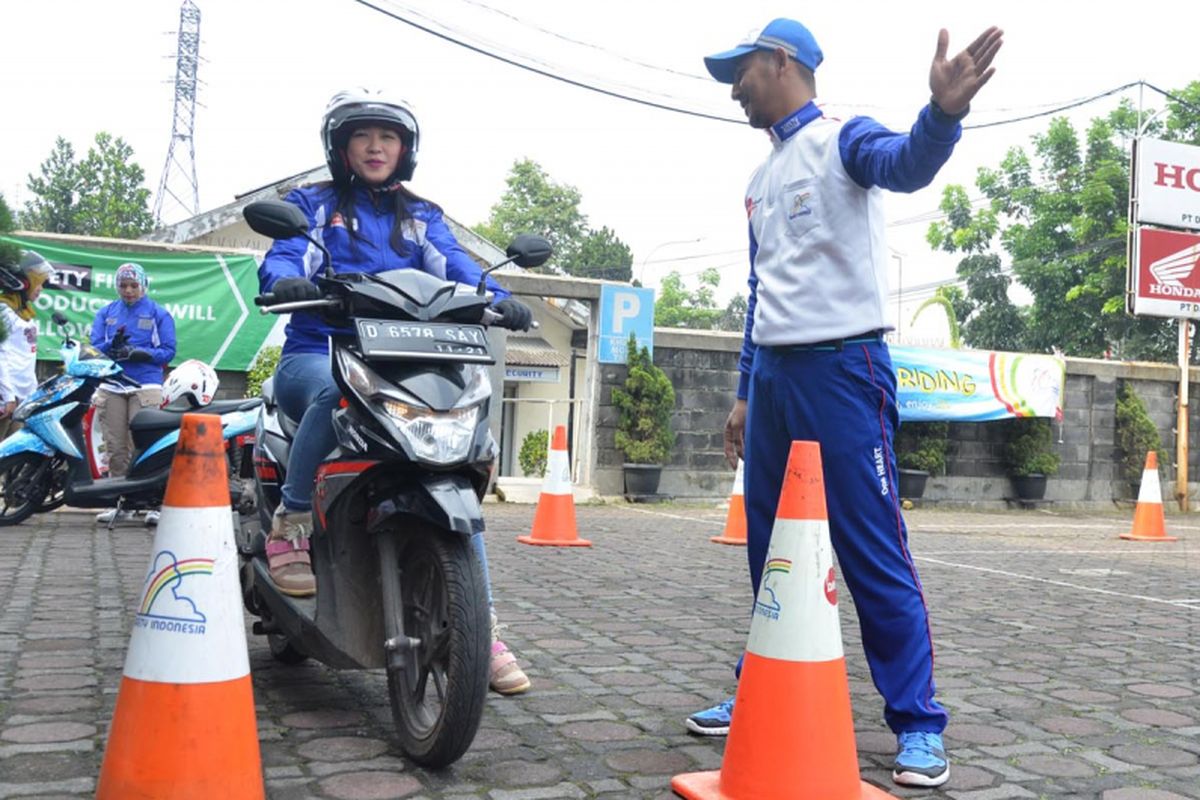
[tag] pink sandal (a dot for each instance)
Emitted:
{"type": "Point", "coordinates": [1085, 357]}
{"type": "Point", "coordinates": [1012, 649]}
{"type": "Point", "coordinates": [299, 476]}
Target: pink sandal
{"type": "Point", "coordinates": [290, 567]}
{"type": "Point", "coordinates": [507, 677]}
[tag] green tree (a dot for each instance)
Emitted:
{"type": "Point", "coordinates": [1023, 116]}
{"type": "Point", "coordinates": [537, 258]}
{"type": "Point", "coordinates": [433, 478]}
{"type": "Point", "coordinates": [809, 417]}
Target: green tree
{"type": "Point", "coordinates": [112, 198]}
{"type": "Point", "coordinates": [102, 195]}
{"type": "Point", "coordinates": [535, 203]}
{"type": "Point", "coordinates": [680, 307]}
{"type": "Point", "coordinates": [733, 318]}
{"type": "Point", "coordinates": [10, 254]}
{"type": "Point", "coordinates": [53, 207]}
{"type": "Point", "coordinates": [601, 255]}
{"type": "Point", "coordinates": [1061, 216]}
{"type": "Point", "coordinates": [987, 318]}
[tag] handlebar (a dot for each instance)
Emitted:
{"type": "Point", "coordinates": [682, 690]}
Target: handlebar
{"type": "Point", "coordinates": [267, 305]}
{"type": "Point", "coordinates": [493, 317]}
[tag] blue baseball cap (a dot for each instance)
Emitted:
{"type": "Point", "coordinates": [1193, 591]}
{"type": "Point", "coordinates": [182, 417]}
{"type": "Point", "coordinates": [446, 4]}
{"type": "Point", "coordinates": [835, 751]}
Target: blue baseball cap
{"type": "Point", "coordinates": [795, 39]}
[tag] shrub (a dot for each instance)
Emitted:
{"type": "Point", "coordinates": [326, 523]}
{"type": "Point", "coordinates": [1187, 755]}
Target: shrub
{"type": "Point", "coordinates": [644, 432]}
{"type": "Point", "coordinates": [532, 457]}
{"type": "Point", "coordinates": [1137, 434]}
{"type": "Point", "coordinates": [1030, 448]}
{"type": "Point", "coordinates": [262, 368]}
{"type": "Point", "coordinates": [922, 446]}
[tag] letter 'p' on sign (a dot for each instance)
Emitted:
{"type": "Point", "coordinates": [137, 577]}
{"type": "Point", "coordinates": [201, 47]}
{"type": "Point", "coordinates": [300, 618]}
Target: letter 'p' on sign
{"type": "Point", "coordinates": [625, 310]}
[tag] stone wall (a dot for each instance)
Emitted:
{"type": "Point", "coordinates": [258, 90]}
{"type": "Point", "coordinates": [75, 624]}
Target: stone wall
{"type": "Point", "coordinates": [702, 366]}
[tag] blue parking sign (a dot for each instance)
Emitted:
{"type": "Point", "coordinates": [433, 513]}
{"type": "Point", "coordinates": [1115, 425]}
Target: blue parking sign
{"type": "Point", "coordinates": [625, 310]}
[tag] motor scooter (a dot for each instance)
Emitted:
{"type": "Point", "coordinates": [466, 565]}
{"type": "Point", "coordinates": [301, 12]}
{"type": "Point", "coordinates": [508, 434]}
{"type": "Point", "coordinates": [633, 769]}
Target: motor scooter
{"type": "Point", "coordinates": [399, 585]}
{"type": "Point", "coordinates": [47, 463]}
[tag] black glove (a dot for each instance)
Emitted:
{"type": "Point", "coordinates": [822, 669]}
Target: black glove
{"type": "Point", "coordinates": [140, 356]}
{"type": "Point", "coordinates": [517, 316]}
{"type": "Point", "coordinates": [119, 353]}
{"type": "Point", "coordinates": [294, 290]}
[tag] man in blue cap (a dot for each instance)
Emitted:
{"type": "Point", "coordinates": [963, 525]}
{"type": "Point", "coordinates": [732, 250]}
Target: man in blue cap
{"type": "Point", "coordinates": [814, 365]}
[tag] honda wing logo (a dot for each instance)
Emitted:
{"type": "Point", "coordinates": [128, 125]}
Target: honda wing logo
{"type": "Point", "coordinates": [1171, 269]}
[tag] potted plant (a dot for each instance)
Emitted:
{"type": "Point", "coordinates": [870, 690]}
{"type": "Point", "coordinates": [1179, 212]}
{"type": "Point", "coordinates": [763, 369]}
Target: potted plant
{"type": "Point", "coordinates": [1030, 457]}
{"type": "Point", "coordinates": [644, 432]}
{"type": "Point", "coordinates": [1137, 435]}
{"type": "Point", "coordinates": [920, 452]}
{"type": "Point", "coordinates": [534, 452]}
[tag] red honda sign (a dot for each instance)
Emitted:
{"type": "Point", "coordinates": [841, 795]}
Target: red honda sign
{"type": "Point", "coordinates": [1166, 282]}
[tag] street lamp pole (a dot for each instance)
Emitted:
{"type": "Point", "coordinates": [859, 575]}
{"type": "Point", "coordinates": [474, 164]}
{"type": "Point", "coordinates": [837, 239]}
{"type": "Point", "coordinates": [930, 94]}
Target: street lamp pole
{"type": "Point", "coordinates": [896, 254]}
{"type": "Point", "coordinates": [657, 247]}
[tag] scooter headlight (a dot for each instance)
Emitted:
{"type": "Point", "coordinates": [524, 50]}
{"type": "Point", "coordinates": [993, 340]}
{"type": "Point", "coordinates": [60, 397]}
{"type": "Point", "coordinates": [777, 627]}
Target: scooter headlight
{"type": "Point", "coordinates": [441, 437]}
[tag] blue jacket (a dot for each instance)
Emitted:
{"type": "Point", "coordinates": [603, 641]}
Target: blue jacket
{"type": "Point", "coordinates": [149, 327]}
{"type": "Point", "coordinates": [432, 249]}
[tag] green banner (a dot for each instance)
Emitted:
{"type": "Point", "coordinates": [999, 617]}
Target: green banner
{"type": "Point", "coordinates": [210, 295]}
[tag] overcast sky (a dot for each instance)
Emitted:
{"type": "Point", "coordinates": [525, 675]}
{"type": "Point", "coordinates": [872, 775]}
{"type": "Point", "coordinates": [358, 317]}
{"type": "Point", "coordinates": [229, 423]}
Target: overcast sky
{"type": "Point", "coordinates": [669, 184]}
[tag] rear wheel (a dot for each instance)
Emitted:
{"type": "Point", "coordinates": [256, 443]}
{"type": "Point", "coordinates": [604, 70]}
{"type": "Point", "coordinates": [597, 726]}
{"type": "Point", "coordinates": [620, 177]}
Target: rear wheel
{"type": "Point", "coordinates": [437, 697]}
{"type": "Point", "coordinates": [25, 481]}
{"type": "Point", "coordinates": [283, 651]}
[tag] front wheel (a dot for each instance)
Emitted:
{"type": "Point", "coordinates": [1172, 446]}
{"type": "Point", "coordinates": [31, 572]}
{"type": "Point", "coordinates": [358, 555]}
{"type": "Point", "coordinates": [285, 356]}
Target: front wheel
{"type": "Point", "coordinates": [437, 697]}
{"type": "Point", "coordinates": [56, 486]}
{"type": "Point", "coordinates": [25, 482]}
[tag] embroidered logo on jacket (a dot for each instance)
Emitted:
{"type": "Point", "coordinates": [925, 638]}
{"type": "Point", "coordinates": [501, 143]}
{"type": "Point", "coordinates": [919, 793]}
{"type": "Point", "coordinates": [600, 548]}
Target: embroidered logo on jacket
{"type": "Point", "coordinates": [800, 206]}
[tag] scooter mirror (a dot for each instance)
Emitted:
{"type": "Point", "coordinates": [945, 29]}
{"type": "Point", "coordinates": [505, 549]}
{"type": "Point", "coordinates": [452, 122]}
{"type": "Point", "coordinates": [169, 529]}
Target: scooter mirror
{"type": "Point", "coordinates": [528, 250]}
{"type": "Point", "coordinates": [59, 318]}
{"type": "Point", "coordinates": [276, 219]}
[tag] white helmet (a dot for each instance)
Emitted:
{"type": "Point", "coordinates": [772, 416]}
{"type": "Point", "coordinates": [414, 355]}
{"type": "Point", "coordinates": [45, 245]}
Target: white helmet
{"type": "Point", "coordinates": [194, 381]}
{"type": "Point", "coordinates": [353, 108]}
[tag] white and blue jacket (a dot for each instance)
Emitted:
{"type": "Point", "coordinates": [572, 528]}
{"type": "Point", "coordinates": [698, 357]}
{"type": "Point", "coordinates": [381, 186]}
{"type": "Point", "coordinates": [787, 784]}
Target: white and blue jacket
{"type": "Point", "coordinates": [432, 249]}
{"type": "Point", "coordinates": [818, 251]}
{"type": "Point", "coordinates": [149, 327]}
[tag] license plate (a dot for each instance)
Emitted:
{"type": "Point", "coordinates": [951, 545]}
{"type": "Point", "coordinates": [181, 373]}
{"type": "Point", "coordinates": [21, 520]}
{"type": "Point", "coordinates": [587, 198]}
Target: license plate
{"type": "Point", "coordinates": [423, 340]}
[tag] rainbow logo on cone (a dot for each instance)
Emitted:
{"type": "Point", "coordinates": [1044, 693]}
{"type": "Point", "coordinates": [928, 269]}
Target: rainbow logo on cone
{"type": "Point", "coordinates": [167, 572]}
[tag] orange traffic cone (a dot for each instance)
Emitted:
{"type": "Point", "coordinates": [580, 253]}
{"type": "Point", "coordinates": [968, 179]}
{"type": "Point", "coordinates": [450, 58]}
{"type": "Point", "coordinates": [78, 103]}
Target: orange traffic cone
{"type": "Point", "coordinates": [184, 725]}
{"type": "Point", "coordinates": [735, 520]}
{"type": "Point", "coordinates": [554, 519]}
{"type": "Point", "coordinates": [1149, 523]}
{"type": "Point", "coordinates": [792, 734]}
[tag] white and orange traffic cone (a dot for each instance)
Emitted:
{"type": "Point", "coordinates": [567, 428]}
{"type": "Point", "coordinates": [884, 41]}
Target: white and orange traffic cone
{"type": "Point", "coordinates": [1149, 522]}
{"type": "Point", "coordinates": [184, 726]}
{"type": "Point", "coordinates": [792, 734]}
{"type": "Point", "coordinates": [735, 519]}
{"type": "Point", "coordinates": [554, 519]}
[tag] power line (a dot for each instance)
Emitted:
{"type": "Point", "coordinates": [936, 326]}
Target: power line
{"type": "Point", "coordinates": [581, 84]}
{"type": "Point", "coordinates": [1056, 110]}
{"type": "Point", "coordinates": [546, 73]}
{"type": "Point", "coordinates": [589, 45]}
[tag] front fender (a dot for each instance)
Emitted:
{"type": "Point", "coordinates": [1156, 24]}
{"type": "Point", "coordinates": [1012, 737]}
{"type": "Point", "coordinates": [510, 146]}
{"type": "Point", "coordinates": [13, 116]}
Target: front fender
{"type": "Point", "coordinates": [24, 442]}
{"type": "Point", "coordinates": [447, 500]}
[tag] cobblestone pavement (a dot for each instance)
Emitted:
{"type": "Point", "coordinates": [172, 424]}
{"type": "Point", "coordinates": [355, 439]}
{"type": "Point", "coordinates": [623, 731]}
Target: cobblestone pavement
{"type": "Point", "coordinates": [1069, 659]}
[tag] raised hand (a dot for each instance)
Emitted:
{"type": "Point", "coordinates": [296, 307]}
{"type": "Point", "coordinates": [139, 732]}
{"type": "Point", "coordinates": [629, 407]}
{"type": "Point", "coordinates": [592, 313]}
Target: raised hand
{"type": "Point", "coordinates": [955, 82]}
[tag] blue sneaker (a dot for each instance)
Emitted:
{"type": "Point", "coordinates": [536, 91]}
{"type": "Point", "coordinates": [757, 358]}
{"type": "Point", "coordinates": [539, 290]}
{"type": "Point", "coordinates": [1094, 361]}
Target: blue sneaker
{"type": "Point", "coordinates": [712, 721]}
{"type": "Point", "coordinates": [921, 760]}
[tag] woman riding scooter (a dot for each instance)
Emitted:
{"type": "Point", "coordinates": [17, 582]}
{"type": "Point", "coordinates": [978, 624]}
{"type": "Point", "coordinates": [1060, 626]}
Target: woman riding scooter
{"type": "Point", "coordinates": [370, 222]}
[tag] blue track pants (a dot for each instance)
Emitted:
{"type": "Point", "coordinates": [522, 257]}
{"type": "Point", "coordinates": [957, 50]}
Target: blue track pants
{"type": "Point", "coordinates": [846, 401]}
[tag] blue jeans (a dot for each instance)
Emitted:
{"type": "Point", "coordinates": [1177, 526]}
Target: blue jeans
{"type": "Point", "coordinates": [305, 390]}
